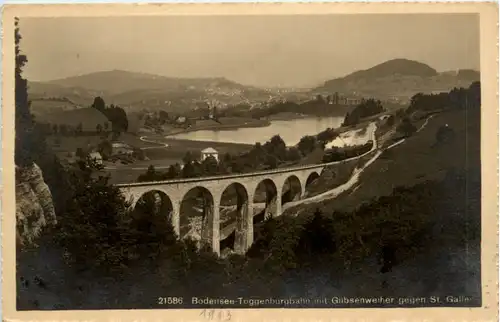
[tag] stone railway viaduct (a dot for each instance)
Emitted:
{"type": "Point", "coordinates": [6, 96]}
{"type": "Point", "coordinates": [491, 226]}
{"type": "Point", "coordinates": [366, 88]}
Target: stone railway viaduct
{"type": "Point", "coordinates": [211, 189]}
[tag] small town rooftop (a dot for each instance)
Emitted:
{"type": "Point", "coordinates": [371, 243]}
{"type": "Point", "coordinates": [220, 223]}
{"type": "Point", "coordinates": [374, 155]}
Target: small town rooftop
{"type": "Point", "coordinates": [209, 150]}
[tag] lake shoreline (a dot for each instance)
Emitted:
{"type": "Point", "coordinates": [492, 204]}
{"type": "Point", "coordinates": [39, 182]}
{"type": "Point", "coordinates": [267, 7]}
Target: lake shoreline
{"type": "Point", "coordinates": [254, 123]}
{"type": "Point", "coordinates": [219, 127]}
{"type": "Point", "coordinates": [170, 139]}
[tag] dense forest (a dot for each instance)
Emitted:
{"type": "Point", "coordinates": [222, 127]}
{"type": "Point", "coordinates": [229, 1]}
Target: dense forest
{"type": "Point", "coordinates": [457, 98]}
{"type": "Point", "coordinates": [366, 108]}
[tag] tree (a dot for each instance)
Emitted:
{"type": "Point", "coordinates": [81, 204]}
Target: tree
{"type": "Point", "coordinates": [227, 158]}
{"type": "Point", "coordinates": [225, 164]}
{"type": "Point", "coordinates": [320, 98]}
{"type": "Point", "coordinates": [80, 153]}
{"type": "Point", "coordinates": [95, 215]}
{"type": "Point", "coordinates": [272, 162]}
{"type": "Point", "coordinates": [210, 166]}
{"type": "Point", "coordinates": [105, 149]}
{"type": "Point", "coordinates": [318, 237]}
{"type": "Point", "coordinates": [294, 154]}
{"type": "Point", "coordinates": [474, 95]}
{"type": "Point", "coordinates": [152, 232]}
{"type": "Point", "coordinates": [139, 154]}
{"type": "Point", "coordinates": [45, 128]}
{"type": "Point", "coordinates": [406, 128]}
{"type": "Point", "coordinates": [457, 98]}
{"type": "Point", "coordinates": [224, 167]}
{"type": "Point", "coordinates": [188, 157]}
{"type": "Point", "coordinates": [188, 171]}
{"type": "Point", "coordinates": [118, 118]}
{"type": "Point", "coordinates": [237, 165]}
{"type": "Point", "coordinates": [327, 135]}
{"type": "Point", "coordinates": [390, 121]}
{"type": "Point", "coordinates": [444, 134]}
{"type": "Point", "coordinates": [307, 144]}
{"type": "Point", "coordinates": [365, 109]}
{"type": "Point", "coordinates": [197, 169]}
{"type": "Point", "coordinates": [150, 175]}
{"type": "Point", "coordinates": [29, 143]}
{"type": "Point", "coordinates": [277, 147]}
{"type": "Point", "coordinates": [63, 129]}
{"type": "Point", "coordinates": [163, 116]}
{"type": "Point", "coordinates": [174, 171]}
{"type": "Point", "coordinates": [99, 104]}
{"type": "Point", "coordinates": [79, 128]}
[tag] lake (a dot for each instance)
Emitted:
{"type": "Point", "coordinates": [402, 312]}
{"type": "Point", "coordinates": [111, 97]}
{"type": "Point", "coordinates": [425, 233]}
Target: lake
{"type": "Point", "coordinates": [291, 131]}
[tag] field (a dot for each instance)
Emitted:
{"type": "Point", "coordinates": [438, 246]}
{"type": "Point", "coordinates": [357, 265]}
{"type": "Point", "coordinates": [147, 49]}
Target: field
{"type": "Point", "coordinates": [69, 143]}
{"type": "Point", "coordinates": [158, 155]}
{"type": "Point", "coordinates": [39, 107]}
{"type": "Point", "coordinates": [163, 157]}
{"type": "Point", "coordinates": [87, 117]}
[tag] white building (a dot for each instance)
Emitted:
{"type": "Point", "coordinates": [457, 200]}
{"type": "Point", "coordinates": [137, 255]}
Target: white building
{"type": "Point", "coordinates": [209, 152]}
{"type": "Point", "coordinates": [96, 157]}
{"type": "Point", "coordinates": [181, 120]}
{"type": "Point", "coordinates": [121, 148]}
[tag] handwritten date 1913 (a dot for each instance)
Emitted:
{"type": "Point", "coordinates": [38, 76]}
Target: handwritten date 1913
{"type": "Point", "coordinates": [216, 315]}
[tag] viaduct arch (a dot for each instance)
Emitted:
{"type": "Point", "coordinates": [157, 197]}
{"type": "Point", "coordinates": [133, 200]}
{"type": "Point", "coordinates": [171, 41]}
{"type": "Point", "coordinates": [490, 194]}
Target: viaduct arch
{"type": "Point", "coordinates": [274, 188]}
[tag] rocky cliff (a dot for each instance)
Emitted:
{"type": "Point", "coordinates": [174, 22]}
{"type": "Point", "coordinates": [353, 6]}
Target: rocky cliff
{"type": "Point", "coordinates": [34, 206]}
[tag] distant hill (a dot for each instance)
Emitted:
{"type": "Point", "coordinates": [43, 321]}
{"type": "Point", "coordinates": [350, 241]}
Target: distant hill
{"type": "Point", "coordinates": [403, 67]}
{"type": "Point", "coordinates": [398, 78]}
{"type": "Point", "coordinates": [139, 90]}
{"type": "Point", "coordinates": [119, 81]}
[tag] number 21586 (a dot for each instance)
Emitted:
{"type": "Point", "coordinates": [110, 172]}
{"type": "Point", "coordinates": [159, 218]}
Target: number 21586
{"type": "Point", "coordinates": [169, 300]}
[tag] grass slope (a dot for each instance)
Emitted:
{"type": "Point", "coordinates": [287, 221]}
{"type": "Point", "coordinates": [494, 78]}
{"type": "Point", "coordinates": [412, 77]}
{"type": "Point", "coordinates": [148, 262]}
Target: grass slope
{"type": "Point", "coordinates": [88, 117]}
{"type": "Point", "coordinates": [417, 160]}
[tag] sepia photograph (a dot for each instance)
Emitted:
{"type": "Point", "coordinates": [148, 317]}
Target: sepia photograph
{"type": "Point", "coordinates": [248, 161]}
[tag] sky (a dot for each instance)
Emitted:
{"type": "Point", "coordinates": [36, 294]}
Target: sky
{"type": "Point", "coordinates": [265, 51]}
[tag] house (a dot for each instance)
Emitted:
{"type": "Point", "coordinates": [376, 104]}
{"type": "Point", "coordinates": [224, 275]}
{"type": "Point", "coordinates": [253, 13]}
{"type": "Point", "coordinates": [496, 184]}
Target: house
{"type": "Point", "coordinates": [181, 120]}
{"type": "Point", "coordinates": [121, 148]}
{"type": "Point", "coordinates": [96, 157]}
{"type": "Point", "coordinates": [209, 152]}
